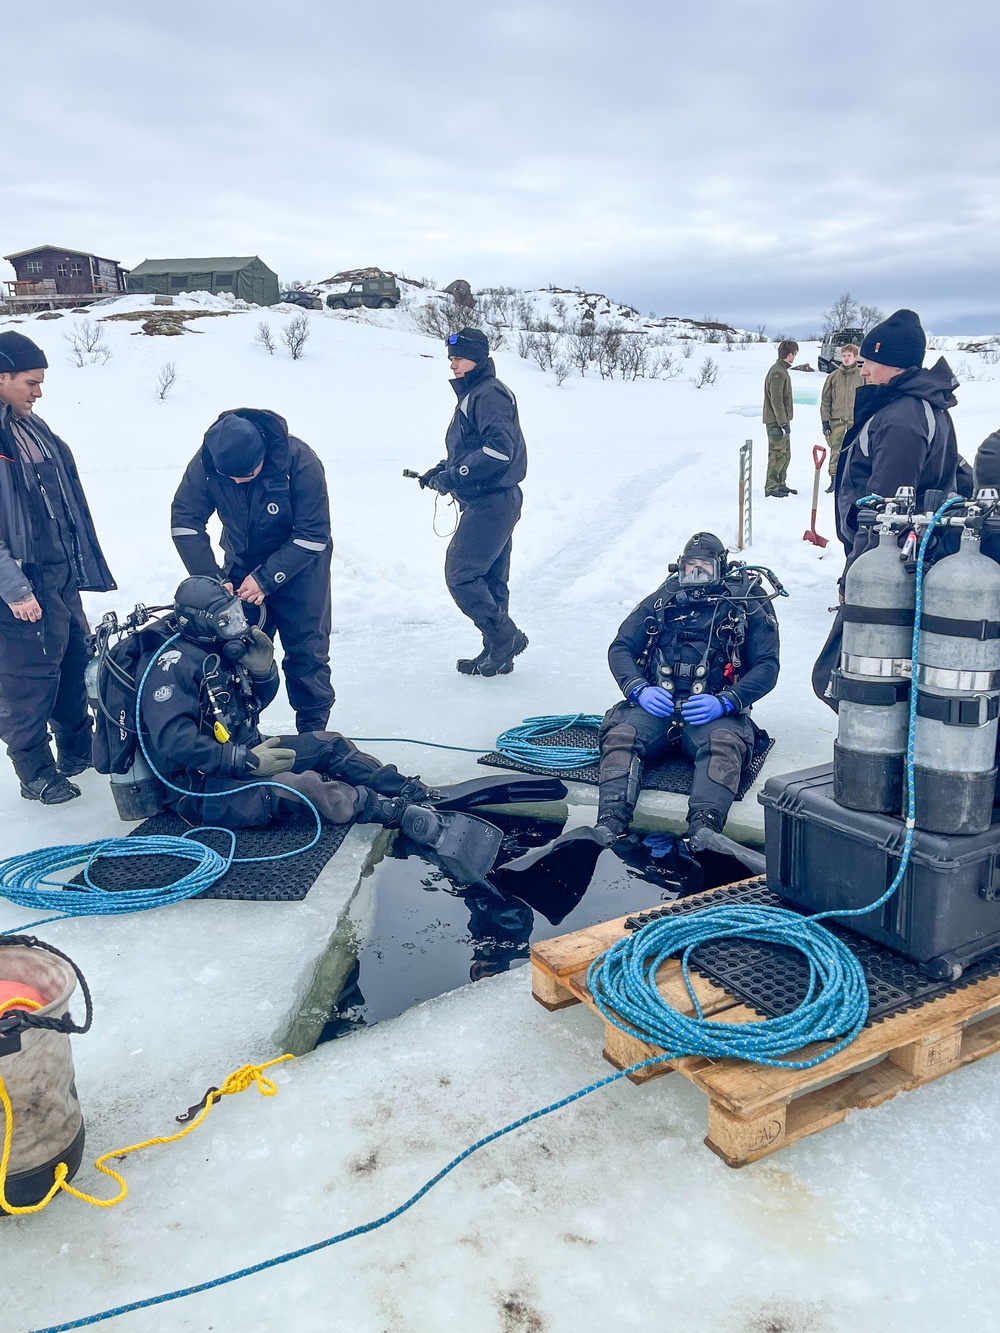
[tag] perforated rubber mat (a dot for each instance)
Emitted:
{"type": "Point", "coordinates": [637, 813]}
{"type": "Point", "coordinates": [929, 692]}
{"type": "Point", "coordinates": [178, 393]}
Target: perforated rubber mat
{"type": "Point", "coordinates": [286, 881]}
{"type": "Point", "coordinates": [673, 773]}
{"type": "Point", "coordinates": [772, 978]}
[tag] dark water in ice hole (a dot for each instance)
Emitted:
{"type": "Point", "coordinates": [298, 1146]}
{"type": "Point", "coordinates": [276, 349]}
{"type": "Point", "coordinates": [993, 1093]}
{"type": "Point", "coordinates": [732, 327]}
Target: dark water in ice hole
{"type": "Point", "coordinates": [414, 934]}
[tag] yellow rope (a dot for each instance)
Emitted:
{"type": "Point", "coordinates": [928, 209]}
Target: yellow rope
{"type": "Point", "coordinates": [18, 1002]}
{"type": "Point", "coordinates": [238, 1081]}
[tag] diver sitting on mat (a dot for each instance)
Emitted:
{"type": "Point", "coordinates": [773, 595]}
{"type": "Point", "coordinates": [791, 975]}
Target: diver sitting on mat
{"type": "Point", "coordinates": [200, 705]}
{"type": "Point", "coordinates": [691, 659]}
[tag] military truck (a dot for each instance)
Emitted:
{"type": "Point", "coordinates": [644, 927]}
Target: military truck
{"type": "Point", "coordinates": [829, 353]}
{"type": "Point", "coordinates": [379, 293]}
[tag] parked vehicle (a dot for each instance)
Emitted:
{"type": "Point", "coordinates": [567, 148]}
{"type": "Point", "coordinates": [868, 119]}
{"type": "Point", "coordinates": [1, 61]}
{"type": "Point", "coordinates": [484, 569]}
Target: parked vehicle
{"type": "Point", "coordinates": [308, 300]}
{"type": "Point", "coordinates": [377, 293]}
{"type": "Point", "coordinates": [829, 353]}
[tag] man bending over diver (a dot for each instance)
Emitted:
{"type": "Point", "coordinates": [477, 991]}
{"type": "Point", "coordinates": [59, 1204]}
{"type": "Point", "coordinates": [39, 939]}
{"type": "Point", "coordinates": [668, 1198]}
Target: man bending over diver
{"type": "Point", "coordinates": [691, 660]}
{"type": "Point", "coordinates": [200, 704]}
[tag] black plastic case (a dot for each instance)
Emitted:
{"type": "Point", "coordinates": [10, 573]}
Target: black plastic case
{"type": "Point", "coordinates": [821, 856]}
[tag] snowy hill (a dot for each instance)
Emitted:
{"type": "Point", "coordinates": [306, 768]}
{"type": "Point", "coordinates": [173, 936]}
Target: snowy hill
{"type": "Point", "coordinates": [832, 1235]}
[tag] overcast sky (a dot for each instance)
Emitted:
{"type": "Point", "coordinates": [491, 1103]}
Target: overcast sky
{"type": "Point", "coordinates": [750, 159]}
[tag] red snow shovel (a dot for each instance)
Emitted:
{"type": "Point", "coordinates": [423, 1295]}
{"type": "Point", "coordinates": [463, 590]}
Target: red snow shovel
{"type": "Point", "coordinates": [811, 535]}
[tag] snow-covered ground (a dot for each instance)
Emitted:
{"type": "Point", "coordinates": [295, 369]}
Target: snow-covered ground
{"type": "Point", "coordinates": [612, 1210]}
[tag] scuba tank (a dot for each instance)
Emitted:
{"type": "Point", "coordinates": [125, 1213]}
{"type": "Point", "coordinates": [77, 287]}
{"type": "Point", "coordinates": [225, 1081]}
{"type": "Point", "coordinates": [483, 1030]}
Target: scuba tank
{"type": "Point", "coordinates": [36, 1065]}
{"type": "Point", "coordinates": [958, 683]}
{"type": "Point", "coordinates": [872, 682]}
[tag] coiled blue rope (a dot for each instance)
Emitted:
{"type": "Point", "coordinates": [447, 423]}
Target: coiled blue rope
{"type": "Point", "coordinates": [518, 742]}
{"type": "Point", "coordinates": [26, 879]}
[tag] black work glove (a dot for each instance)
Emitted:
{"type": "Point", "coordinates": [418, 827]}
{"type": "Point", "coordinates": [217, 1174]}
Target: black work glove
{"type": "Point", "coordinates": [427, 478]}
{"type": "Point", "coordinates": [272, 758]}
{"type": "Point", "coordinates": [439, 484]}
{"type": "Point", "coordinates": [786, 431]}
{"type": "Point", "coordinates": [260, 654]}
{"type": "Point", "coordinates": [826, 429]}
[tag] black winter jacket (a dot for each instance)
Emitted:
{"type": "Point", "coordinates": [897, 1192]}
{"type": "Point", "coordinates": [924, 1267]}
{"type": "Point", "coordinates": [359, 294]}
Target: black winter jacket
{"type": "Point", "coordinates": [687, 628]}
{"type": "Point", "coordinates": [486, 450]}
{"type": "Point", "coordinates": [272, 527]}
{"type": "Point", "coordinates": [902, 436]}
{"type": "Point", "coordinates": [178, 717]}
{"type": "Point", "coordinates": [18, 537]}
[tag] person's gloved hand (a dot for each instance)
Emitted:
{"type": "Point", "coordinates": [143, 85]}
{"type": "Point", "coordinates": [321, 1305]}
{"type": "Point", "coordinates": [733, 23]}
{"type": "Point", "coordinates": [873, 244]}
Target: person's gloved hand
{"type": "Point", "coordinates": [260, 654]}
{"type": "Point", "coordinates": [827, 429]}
{"type": "Point", "coordinates": [272, 758]}
{"type": "Point", "coordinates": [786, 430]}
{"type": "Point", "coordinates": [702, 708]}
{"type": "Point", "coordinates": [439, 484]}
{"type": "Point", "coordinates": [427, 477]}
{"type": "Point", "coordinates": [656, 701]}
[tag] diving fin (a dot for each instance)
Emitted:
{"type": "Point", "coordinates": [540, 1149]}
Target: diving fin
{"type": "Point", "coordinates": [465, 845]}
{"type": "Point", "coordinates": [707, 840]}
{"type": "Point", "coordinates": [552, 879]}
{"type": "Point", "coordinates": [498, 790]}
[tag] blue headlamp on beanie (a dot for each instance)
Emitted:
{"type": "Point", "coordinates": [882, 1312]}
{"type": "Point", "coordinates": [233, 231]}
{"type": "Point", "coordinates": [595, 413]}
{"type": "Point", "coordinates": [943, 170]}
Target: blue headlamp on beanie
{"type": "Point", "coordinates": [471, 344]}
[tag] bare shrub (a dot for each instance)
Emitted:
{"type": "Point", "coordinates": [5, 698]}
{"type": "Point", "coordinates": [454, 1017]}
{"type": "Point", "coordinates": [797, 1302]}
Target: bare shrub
{"type": "Point", "coordinates": [166, 379]}
{"type": "Point", "coordinates": [663, 367]}
{"type": "Point", "coordinates": [263, 337]}
{"type": "Point", "coordinates": [86, 343]}
{"type": "Point", "coordinates": [295, 335]}
{"type": "Point", "coordinates": [543, 348]}
{"type": "Point", "coordinates": [687, 347]}
{"type": "Point", "coordinates": [561, 368]}
{"type": "Point", "coordinates": [870, 315]}
{"type": "Point", "coordinates": [708, 373]}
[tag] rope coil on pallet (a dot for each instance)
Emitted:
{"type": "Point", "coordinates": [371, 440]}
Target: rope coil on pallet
{"type": "Point", "coordinates": [519, 742]}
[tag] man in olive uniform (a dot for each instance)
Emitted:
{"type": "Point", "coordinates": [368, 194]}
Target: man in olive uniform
{"type": "Point", "coordinates": [837, 404]}
{"type": "Point", "coordinates": [778, 420]}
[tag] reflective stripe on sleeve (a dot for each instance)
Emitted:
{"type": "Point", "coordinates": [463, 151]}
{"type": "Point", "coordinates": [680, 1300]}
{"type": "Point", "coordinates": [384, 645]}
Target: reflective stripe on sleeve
{"type": "Point", "coordinates": [493, 453]}
{"type": "Point", "coordinates": [308, 546]}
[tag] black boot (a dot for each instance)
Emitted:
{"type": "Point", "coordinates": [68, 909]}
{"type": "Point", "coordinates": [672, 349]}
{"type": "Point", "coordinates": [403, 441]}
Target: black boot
{"type": "Point", "coordinates": [469, 666]}
{"type": "Point", "coordinates": [499, 661]}
{"type": "Point", "coordinates": [50, 788]}
{"type": "Point", "coordinates": [74, 750]}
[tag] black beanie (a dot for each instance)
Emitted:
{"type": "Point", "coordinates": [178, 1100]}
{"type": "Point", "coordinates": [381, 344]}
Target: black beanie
{"type": "Point", "coordinates": [987, 465]}
{"type": "Point", "coordinates": [235, 445]}
{"type": "Point", "coordinates": [472, 344]}
{"type": "Point", "coordinates": [897, 341]}
{"type": "Point", "coordinates": [19, 353]}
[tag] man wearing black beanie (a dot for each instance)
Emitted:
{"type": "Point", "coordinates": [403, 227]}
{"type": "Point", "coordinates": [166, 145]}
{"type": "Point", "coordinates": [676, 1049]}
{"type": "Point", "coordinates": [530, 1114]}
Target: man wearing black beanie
{"type": "Point", "coordinates": [487, 458]}
{"type": "Point", "coordinates": [49, 553]}
{"type": "Point", "coordinates": [269, 490]}
{"type": "Point", "coordinates": [902, 435]}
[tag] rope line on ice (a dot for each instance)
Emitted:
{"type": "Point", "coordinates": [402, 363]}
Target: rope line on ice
{"type": "Point", "coordinates": [26, 881]}
{"type": "Point", "coordinates": [623, 982]}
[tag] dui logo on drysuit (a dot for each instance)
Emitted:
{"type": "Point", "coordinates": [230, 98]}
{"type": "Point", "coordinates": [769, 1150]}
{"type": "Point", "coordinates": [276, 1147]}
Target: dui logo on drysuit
{"type": "Point", "coordinates": [164, 693]}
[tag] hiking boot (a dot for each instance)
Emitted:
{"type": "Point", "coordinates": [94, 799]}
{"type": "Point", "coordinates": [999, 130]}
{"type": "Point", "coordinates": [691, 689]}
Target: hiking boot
{"type": "Point", "coordinates": [500, 661]}
{"type": "Point", "coordinates": [778, 494]}
{"type": "Point", "coordinates": [830, 489]}
{"type": "Point", "coordinates": [789, 490]}
{"type": "Point", "coordinates": [51, 789]}
{"type": "Point", "coordinates": [469, 666]}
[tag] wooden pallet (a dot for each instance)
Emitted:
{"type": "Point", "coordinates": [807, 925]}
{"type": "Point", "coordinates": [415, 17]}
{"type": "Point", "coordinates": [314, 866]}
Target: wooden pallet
{"type": "Point", "coordinates": [755, 1110]}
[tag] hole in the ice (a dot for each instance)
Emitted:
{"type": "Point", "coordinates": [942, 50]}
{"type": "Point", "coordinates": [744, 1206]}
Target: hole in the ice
{"type": "Point", "coordinates": [410, 933]}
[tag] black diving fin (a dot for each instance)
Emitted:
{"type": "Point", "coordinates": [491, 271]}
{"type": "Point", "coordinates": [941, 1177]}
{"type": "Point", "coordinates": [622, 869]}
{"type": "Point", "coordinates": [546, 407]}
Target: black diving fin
{"type": "Point", "coordinates": [707, 840]}
{"type": "Point", "coordinates": [498, 790]}
{"type": "Point", "coordinates": [552, 879]}
{"type": "Point", "coordinates": [464, 845]}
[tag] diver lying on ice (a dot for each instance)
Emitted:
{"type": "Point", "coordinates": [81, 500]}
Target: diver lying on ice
{"type": "Point", "coordinates": [691, 660]}
{"type": "Point", "coordinates": [204, 677]}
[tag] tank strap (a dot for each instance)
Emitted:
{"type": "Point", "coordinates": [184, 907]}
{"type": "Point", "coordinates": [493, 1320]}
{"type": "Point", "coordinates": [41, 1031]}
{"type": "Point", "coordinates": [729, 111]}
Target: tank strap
{"type": "Point", "coordinates": [882, 694]}
{"type": "Point", "coordinates": [879, 615]}
{"type": "Point", "coordinates": [960, 629]}
{"type": "Point", "coordinates": [975, 712]}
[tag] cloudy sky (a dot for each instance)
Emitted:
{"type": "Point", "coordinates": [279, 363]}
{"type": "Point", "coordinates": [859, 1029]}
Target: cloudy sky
{"type": "Point", "coordinates": [750, 159]}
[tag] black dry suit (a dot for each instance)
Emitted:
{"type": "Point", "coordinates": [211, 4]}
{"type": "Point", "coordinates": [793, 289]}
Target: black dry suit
{"type": "Point", "coordinates": [277, 528]}
{"type": "Point", "coordinates": [190, 690]}
{"type": "Point", "coordinates": [902, 436]}
{"type": "Point", "coordinates": [487, 458]}
{"type": "Point", "coordinates": [721, 639]}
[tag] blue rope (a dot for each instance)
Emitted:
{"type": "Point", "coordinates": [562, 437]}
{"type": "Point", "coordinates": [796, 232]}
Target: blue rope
{"type": "Point", "coordinates": [518, 742]}
{"type": "Point", "coordinates": [25, 879]}
{"type": "Point", "coordinates": [623, 983]}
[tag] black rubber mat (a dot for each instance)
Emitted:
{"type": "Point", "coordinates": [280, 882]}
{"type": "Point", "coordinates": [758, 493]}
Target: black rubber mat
{"type": "Point", "coordinates": [673, 773]}
{"type": "Point", "coordinates": [773, 979]}
{"type": "Point", "coordinates": [286, 881]}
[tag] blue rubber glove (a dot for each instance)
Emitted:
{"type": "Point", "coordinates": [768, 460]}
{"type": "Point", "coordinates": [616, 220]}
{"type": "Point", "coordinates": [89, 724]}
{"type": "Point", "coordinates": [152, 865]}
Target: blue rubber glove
{"type": "Point", "coordinates": [702, 708]}
{"type": "Point", "coordinates": [655, 700]}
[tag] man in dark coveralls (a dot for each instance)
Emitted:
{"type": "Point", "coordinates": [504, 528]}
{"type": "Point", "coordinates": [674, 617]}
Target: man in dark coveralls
{"type": "Point", "coordinates": [486, 460]}
{"type": "Point", "coordinates": [269, 490]}
{"type": "Point", "coordinates": [48, 553]}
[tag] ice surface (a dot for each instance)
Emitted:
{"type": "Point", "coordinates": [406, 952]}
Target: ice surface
{"type": "Point", "coordinates": [611, 1211]}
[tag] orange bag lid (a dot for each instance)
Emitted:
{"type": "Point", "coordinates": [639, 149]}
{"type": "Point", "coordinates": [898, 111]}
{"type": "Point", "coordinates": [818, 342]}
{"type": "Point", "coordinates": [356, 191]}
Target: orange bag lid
{"type": "Point", "coordinates": [17, 990]}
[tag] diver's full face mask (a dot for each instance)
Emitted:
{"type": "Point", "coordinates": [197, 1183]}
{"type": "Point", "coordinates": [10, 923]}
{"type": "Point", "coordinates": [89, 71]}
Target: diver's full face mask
{"type": "Point", "coordinates": [699, 571]}
{"type": "Point", "coordinates": [231, 622]}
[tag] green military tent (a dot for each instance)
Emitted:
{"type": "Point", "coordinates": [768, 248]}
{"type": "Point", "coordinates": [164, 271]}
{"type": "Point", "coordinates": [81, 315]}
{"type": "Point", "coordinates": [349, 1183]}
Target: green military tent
{"type": "Point", "coordinates": [248, 278]}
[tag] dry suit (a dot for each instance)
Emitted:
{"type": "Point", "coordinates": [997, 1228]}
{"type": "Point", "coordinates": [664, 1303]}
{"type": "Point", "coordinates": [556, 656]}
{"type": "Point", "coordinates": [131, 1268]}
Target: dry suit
{"type": "Point", "coordinates": [277, 528]}
{"type": "Point", "coordinates": [190, 689]}
{"type": "Point", "coordinates": [721, 641]}
{"type": "Point", "coordinates": [487, 458]}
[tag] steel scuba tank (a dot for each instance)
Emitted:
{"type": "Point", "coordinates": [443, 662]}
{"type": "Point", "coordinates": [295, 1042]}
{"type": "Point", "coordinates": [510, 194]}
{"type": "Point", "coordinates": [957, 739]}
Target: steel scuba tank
{"type": "Point", "coordinates": [36, 1065]}
{"type": "Point", "coordinates": [872, 682]}
{"type": "Point", "coordinates": [958, 701]}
